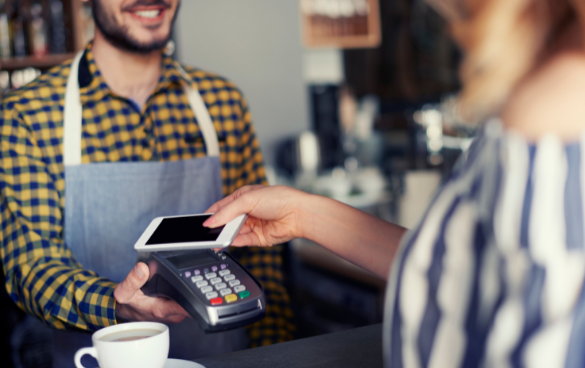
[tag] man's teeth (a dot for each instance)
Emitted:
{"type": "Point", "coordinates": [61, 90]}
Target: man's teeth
{"type": "Point", "coordinates": [148, 13]}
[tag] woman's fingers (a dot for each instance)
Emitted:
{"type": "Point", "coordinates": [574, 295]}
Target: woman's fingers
{"type": "Point", "coordinates": [228, 212]}
{"type": "Point", "coordinates": [232, 197]}
{"type": "Point", "coordinates": [245, 229]}
{"type": "Point", "coordinates": [217, 205]}
{"type": "Point", "coordinates": [244, 240]}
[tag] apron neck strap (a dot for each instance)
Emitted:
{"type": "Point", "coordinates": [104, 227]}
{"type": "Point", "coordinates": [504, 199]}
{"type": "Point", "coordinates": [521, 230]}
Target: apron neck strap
{"type": "Point", "coordinates": [73, 116]}
{"type": "Point", "coordinates": [202, 113]}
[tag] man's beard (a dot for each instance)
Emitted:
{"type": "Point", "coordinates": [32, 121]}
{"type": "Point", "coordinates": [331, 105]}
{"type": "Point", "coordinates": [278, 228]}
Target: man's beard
{"type": "Point", "coordinates": [119, 36]}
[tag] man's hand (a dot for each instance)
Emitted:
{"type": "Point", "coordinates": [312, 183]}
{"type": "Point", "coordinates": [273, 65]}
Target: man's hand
{"type": "Point", "coordinates": [133, 305]}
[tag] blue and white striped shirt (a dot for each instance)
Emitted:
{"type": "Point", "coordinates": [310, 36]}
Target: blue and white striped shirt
{"type": "Point", "coordinates": [493, 275]}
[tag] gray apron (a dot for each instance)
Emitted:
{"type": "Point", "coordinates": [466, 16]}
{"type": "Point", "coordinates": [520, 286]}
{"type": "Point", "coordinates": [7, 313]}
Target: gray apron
{"type": "Point", "coordinates": [109, 205]}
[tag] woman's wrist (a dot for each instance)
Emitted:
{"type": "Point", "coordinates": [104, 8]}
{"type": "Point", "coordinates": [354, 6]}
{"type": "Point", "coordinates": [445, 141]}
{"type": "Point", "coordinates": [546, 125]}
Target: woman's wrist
{"type": "Point", "coordinates": [309, 210]}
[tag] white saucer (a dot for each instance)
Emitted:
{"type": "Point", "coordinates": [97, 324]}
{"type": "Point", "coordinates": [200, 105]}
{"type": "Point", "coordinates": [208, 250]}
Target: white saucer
{"type": "Point", "coordinates": [178, 363]}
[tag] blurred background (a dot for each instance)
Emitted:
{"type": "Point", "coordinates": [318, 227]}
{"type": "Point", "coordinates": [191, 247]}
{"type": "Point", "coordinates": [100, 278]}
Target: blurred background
{"type": "Point", "coordinates": [352, 99]}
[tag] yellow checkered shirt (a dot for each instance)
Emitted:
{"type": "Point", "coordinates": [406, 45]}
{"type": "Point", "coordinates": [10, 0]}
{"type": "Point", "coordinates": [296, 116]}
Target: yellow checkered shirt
{"type": "Point", "coordinates": [42, 275]}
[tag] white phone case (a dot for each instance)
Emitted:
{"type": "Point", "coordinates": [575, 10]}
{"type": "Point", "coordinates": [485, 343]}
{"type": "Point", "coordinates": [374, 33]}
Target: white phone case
{"type": "Point", "coordinates": [225, 238]}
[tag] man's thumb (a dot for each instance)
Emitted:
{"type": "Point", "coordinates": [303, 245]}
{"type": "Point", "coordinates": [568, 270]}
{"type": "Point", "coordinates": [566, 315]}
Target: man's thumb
{"type": "Point", "coordinates": [132, 283]}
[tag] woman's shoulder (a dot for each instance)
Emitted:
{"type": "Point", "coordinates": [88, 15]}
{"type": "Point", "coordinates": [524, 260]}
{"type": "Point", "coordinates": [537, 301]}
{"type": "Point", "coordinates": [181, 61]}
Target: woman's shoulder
{"type": "Point", "coordinates": [551, 101]}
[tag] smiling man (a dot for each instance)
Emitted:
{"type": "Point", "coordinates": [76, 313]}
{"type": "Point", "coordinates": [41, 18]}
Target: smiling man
{"type": "Point", "coordinates": [96, 148]}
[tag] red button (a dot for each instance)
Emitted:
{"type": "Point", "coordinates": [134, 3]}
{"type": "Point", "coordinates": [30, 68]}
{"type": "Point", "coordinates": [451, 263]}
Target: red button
{"type": "Point", "coordinates": [216, 301]}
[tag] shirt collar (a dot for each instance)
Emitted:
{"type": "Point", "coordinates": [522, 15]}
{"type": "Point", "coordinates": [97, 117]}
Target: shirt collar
{"type": "Point", "coordinates": [93, 87]}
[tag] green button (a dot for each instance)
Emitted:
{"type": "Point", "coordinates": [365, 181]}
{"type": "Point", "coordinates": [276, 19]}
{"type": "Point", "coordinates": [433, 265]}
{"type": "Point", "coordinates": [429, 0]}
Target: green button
{"type": "Point", "coordinates": [244, 294]}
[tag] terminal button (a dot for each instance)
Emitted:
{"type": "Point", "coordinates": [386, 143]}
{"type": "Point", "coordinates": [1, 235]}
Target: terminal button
{"type": "Point", "coordinates": [201, 283]}
{"type": "Point", "coordinates": [211, 295]}
{"type": "Point", "coordinates": [214, 281]}
{"type": "Point", "coordinates": [225, 292]}
{"type": "Point", "coordinates": [231, 298]}
{"type": "Point", "coordinates": [224, 272]}
{"type": "Point", "coordinates": [206, 289]}
{"type": "Point", "coordinates": [223, 266]}
{"type": "Point", "coordinates": [216, 301]}
{"type": "Point", "coordinates": [214, 268]}
{"type": "Point", "coordinates": [234, 282]}
{"type": "Point", "coordinates": [220, 286]}
{"type": "Point", "coordinates": [244, 294]}
{"type": "Point", "coordinates": [210, 275]}
{"type": "Point", "coordinates": [229, 277]}
{"type": "Point", "coordinates": [187, 274]}
{"type": "Point", "coordinates": [197, 272]}
{"type": "Point", "coordinates": [194, 279]}
{"type": "Point", "coordinates": [239, 288]}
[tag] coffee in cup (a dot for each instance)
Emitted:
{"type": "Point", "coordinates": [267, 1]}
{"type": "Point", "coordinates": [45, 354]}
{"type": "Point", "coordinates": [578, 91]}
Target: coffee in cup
{"type": "Point", "coordinates": [130, 335]}
{"type": "Point", "coordinates": [129, 345]}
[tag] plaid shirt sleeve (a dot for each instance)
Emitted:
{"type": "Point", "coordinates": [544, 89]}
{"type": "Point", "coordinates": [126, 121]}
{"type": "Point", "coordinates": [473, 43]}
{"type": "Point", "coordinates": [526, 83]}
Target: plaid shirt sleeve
{"type": "Point", "coordinates": [42, 275]}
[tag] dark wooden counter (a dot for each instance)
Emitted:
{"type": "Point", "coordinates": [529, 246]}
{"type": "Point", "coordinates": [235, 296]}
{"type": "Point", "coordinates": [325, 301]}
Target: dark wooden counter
{"type": "Point", "coordinates": [360, 347]}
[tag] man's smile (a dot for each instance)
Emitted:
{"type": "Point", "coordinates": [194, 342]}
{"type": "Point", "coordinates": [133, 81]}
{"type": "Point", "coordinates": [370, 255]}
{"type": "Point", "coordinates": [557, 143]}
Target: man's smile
{"type": "Point", "coordinates": [147, 14]}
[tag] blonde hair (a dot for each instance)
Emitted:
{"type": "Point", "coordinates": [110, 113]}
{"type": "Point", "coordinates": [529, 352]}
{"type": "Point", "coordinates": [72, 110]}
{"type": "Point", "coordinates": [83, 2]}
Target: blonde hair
{"type": "Point", "coordinates": [503, 41]}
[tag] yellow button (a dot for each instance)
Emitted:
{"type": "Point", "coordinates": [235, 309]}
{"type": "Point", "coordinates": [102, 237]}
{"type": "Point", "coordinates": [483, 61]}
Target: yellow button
{"type": "Point", "coordinates": [230, 298]}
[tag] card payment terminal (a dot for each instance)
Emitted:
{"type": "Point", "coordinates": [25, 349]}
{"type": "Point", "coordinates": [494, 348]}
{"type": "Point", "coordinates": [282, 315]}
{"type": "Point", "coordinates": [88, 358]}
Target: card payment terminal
{"type": "Point", "coordinates": [213, 287]}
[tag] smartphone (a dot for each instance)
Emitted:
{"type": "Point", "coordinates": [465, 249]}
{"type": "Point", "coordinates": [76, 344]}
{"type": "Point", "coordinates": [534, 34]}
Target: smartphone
{"type": "Point", "coordinates": [186, 233]}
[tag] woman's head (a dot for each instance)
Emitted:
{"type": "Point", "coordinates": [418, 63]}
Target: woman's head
{"type": "Point", "coordinates": [504, 41]}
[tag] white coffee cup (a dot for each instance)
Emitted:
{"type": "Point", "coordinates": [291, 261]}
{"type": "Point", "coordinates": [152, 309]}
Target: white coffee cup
{"type": "Point", "coordinates": [147, 352]}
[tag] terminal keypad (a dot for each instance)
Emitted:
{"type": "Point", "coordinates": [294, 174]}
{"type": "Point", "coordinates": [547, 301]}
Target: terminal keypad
{"type": "Point", "coordinates": [218, 284]}
{"type": "Point", "coordinates": [206, 289]}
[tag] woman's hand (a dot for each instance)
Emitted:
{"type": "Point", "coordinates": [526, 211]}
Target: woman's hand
{"type": "Point", "coordinates": [279, 214]}
{"type": "Point", "coordinates": [273, 214]}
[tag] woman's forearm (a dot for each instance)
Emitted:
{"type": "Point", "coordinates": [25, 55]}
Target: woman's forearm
{"type": "Point", "coordinates": [362, 239]}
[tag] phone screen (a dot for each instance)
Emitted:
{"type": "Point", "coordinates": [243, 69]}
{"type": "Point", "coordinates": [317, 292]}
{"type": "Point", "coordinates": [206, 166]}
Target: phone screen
{"type": "Point", "coordinates": [183, 230]}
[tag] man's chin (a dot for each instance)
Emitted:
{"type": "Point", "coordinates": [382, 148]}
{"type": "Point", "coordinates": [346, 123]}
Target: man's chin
{"type": "Point", "coordinates": [137, 46]}
{"type": "Point", "coordinates": [148, 40]}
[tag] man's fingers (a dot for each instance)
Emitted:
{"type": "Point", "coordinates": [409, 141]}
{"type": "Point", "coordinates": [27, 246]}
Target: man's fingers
{"type": "Point", "coordinates": [175, 319]}
{"type": "Point", "coordinates": [165, 309]}
{"type": "Point", "coordinates": [132, 283]}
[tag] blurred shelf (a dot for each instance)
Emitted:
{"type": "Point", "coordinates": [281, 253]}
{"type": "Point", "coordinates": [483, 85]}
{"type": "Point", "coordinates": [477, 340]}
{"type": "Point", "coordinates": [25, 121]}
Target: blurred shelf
{"type": "Point", "coordinates": [43, 62]}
